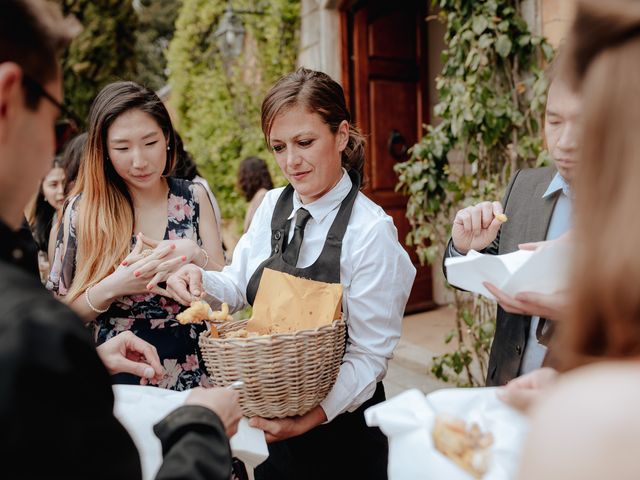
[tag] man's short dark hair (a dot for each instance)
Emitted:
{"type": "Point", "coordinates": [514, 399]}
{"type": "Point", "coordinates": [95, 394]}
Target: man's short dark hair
{"type": "Point", "coordinates": [33, 33]}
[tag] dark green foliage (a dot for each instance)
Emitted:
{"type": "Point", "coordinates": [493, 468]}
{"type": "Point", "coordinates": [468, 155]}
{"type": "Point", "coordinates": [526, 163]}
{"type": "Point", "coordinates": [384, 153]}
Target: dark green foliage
{"type": "Point", "coordinates": [491, 99]}
{"type": "Point", "coordinates": [219, 102]}
{"type": "Point", "coordinates": [156, 26]}
{"type": "Point", "coordinates": [102, 53]}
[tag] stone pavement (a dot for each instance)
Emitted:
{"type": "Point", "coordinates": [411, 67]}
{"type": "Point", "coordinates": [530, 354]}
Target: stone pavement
{"type": "Point", "coordinates": [422, 338]}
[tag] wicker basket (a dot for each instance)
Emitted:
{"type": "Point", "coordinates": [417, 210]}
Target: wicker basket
{"type": "Point", "coordinates": [285, 374]}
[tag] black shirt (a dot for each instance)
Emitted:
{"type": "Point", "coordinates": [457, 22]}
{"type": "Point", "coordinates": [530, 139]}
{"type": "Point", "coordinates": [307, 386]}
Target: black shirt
{"type": "Point", "coordinates": [56, 402]}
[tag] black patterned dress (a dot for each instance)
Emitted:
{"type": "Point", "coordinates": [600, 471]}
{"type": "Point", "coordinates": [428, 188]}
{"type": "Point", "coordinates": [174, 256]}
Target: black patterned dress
{"type": "Point", "coordinates": [149, 316]}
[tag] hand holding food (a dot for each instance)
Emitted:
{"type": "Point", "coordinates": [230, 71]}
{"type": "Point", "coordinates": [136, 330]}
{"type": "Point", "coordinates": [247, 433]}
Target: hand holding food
{"type": "Point", "coordinates": [475, 227]}
{"type": "Point", "coordinates": [185, 285]}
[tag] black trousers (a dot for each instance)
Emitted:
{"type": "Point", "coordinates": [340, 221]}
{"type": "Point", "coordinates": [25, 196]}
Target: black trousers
{"type": "Point", "coordinates": [345, 448]}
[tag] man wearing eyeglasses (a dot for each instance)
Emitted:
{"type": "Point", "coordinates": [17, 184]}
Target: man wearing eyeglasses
{"type": "Point", "coordinates": [56, 402]}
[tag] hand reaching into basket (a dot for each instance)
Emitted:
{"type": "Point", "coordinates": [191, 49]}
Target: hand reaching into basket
{"type": "Point", "coordinates": [185, 285]}
{"type": "Point", "coordinates": [223, 401]}
{"type": "Point", "coordinates": [276, 429]}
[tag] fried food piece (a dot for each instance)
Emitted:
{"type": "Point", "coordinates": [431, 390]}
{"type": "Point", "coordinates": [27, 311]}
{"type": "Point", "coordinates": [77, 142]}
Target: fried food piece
{"type": "Point", "coordinates": [241, 333]}
{"type": "Point", "coordinates": [213, 332]}
{"type": "Point", "coordinates": [196, 313]}
{"type": "Point", "coordinates": [468, 447]}
{"type": "Point", "coordinates": [501, 217]}
{"type": "Point", "coordinates": [222, 315]}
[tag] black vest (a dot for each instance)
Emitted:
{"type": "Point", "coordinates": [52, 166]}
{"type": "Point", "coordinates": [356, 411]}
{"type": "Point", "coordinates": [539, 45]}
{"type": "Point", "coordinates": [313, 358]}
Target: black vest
{"type": "Point", "coordinates": [327, 267]}
{"type": "Point", "coordinates": [360, 451]}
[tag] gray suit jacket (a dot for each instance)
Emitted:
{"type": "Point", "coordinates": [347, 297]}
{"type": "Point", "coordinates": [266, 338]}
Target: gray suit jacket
{"type": "Point", "coordinates": [528, 221]}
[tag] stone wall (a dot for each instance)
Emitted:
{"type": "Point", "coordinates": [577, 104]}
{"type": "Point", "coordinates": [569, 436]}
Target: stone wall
{"type": "Point", "coordinates": [555, 18]}
{"type": "Point", "coordinates": [320, 42]}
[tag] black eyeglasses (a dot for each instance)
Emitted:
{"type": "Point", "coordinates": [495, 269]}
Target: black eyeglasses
{"type": "Point", "coordinates": [65, 127]}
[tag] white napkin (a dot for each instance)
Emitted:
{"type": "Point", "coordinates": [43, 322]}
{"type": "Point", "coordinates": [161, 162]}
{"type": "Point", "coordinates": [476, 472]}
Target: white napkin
{"type": "Point", "coordinates": [139, 408]}
{"type": "Point", "coordinates": [407, 419]}
{"type": "Point", "coordinates": [545, 270]}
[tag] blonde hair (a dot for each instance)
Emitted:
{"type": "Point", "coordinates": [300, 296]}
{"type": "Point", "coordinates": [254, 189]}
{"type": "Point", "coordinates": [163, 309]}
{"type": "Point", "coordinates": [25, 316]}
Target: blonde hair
{"type": "Point", "coordinates": [105, 217]}
{"type": "Point", "coordinates": [603, 62]}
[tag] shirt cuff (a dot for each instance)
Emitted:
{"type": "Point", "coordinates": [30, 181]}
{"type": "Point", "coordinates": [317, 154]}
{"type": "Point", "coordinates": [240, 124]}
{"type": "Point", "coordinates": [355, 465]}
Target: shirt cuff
{"type": "Point", "coordinates": [212, 293]}
{"type": "Point", "coordinates": [334, 404]}
{"type": "Point", "coordinates": [453, 252]}
{"type": "Point", "coordinates": [188, 417]}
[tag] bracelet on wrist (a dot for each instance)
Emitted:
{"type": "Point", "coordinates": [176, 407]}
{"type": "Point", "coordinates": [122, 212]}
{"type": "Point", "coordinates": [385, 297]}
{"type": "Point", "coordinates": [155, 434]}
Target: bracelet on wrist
{"type": "Point", "coordinates": [86, 297]}
{"type": "Point", "coordinates": [206, 258]}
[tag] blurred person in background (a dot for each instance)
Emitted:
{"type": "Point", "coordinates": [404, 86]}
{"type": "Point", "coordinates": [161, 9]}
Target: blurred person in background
{"type": "Point", "coordinates": [44, 211]}
{"type": "Point", "coordinates": [187, 169]}
{"type": "Point", "coordinates": [70, 160]}
{"type": "Point", "coordinates": [254, 181]}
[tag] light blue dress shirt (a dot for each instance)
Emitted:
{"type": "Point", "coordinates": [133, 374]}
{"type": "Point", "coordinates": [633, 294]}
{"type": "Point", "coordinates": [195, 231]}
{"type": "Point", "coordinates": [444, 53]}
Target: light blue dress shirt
{"type": "Point", "coordinates": [559, 224]}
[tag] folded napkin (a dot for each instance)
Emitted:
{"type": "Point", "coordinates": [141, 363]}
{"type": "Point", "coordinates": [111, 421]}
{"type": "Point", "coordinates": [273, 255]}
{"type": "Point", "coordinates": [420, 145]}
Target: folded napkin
{"type": "Point", "coordinates": [408, 419]}
{"type": "Point", "coordinates": [139, 408]}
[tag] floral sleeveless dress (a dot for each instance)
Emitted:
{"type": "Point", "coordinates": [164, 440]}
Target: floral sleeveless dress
{"type": "Point", "coordinates": [149, 316]}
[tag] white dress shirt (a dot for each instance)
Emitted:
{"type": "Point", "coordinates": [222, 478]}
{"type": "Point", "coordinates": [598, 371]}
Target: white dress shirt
{"type": "Point", "coordinates": [375, 271]}
{"type": "Point", "coordinates": [559, 224]}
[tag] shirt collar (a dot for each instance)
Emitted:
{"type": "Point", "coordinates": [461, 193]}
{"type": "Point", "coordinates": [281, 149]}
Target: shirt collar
{"type": "Point", "coordinates": [327, 203]}
{"type": "Point", "coordinates": [557, 183]}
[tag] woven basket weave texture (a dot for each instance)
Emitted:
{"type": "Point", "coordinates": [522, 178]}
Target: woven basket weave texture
{"type": "Point", "coordinates": [285, 374]}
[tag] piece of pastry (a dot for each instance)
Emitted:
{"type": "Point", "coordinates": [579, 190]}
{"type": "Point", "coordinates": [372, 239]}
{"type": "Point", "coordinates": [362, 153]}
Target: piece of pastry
{"type": "Point", "coordinates": [196, 313]}
{"type": "Point", "coordinates": [467, 446]}
{"type": "Point", "coordinates": [222, 315]}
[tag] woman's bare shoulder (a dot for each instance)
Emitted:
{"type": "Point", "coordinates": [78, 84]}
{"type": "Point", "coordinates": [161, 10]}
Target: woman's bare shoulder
{"type": "Point", "coordinates": [586, 426]}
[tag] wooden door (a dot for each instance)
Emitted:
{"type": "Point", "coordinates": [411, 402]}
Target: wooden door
{"type": "Point", "coordinates": [384, 65]}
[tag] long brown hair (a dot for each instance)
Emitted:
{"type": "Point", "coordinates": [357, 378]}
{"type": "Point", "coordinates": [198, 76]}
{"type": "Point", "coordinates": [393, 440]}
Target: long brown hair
{"type": "Point", "coordinates": [105, 214]}
{"type": "Point", "coordinates": [603, 61]}
{"type": "Point", "coordinates": [253, 174]}
{"type": "Point", "coordinates": [320, 94]}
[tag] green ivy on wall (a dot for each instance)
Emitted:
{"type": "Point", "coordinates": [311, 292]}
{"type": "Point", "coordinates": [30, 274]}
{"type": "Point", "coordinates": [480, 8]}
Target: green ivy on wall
{"type": "Point", "coordinates": [491, 99]}
{"type": "Point", "coordinates": [218, 102]}
{"type": "Point", "coordinates": [103, 52]}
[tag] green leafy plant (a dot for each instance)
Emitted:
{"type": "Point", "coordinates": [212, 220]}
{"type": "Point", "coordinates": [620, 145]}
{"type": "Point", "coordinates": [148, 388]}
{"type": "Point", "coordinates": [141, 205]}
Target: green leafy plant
{"type": "Point", "coordinates": [491, 100]}
{"type": "Point", "coordinates": [103, 52]}
{"type": "Point", "coordinates": [217, 100]}
{"type": "Point", "coordinates": [156, 20]}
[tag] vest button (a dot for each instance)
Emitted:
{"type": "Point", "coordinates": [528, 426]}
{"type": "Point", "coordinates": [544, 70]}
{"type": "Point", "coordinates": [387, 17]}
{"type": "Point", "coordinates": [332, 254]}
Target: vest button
{"type": "Point", "coordinates": [278, 235]}
{"type": "Point", "coordinates": [276, 249]}
{"type": "Point", "coordinates": [518, 349]}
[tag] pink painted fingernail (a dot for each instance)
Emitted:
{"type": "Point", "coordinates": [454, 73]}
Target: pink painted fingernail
{"type": "Point", "coordinates": [136, 274]}
{"type": "Point", "coordinates": [184, 258]}
{"type": "Point", "coordinates": [173, 246]}
{"type": "Point", "coordinates": [149, 287]}
{"type": "Point", "coordinates": [125, 263]}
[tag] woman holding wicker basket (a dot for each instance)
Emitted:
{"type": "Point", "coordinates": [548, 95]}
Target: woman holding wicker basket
{"type": "Point", "coordinates": [335, 235]}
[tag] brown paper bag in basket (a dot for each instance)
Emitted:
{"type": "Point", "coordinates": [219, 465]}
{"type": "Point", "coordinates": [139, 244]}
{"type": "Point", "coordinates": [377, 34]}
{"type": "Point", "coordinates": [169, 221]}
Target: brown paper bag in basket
{"type": "Point", "coordinates": [285, 303]}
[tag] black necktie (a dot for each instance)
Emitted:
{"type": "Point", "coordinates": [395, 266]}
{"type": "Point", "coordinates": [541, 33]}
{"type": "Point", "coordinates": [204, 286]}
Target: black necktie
{"type": "Point", "coordinates": [292, 251]}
